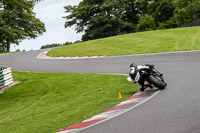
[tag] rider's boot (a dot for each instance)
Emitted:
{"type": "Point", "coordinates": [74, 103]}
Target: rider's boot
{"type": "Point", "coordinates": [150, 86]}
{"type": "Point", "coordinates": [143, 88]}
{"type": "Point", "coordinates": [146, 86]}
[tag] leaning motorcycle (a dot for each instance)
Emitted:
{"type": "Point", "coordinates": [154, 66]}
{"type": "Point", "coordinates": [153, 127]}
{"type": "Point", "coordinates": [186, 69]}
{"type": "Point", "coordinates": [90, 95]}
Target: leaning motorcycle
{"type": "Point", "coordinates": [154, 77]}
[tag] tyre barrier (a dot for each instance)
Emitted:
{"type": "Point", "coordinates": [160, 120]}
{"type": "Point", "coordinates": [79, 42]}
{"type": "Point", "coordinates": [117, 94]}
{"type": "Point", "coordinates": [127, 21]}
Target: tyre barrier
{"type": "Point", "coordinates": [5, 77]}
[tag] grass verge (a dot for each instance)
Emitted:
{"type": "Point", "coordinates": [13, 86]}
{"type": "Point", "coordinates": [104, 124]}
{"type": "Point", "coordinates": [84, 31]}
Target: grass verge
{"type": "Point", "coordinates": [48, 102]}
{"type": "Point", "coordinates": [179, 39]}
{"type": "Point", "coordinates": [5, 52]}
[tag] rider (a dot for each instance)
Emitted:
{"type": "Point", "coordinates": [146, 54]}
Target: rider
{"type": "Point", "coordinates": [137, 77]}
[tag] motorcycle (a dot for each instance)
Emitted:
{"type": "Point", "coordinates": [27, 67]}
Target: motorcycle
{"type": "Point", "coordinates": [152, 76]}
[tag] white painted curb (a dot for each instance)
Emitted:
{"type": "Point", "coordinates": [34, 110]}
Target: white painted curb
{"type": "Point", "coordinates": [44, 56]}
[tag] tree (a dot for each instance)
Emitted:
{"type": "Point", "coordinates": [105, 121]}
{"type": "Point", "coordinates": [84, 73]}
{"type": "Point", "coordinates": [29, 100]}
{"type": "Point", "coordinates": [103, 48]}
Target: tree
{"type": "Point", "coordinates": [162, 12]}
{"type": "Point", "coordinates": [18, 22]}
{"type": "Point", "coordinates": [186, 11]}
{"type": "Point", "coordinates": [102, 18]}
{"type": "Point", "coordinates": [142, 6]}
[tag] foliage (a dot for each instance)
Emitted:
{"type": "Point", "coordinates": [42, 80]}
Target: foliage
{"type": "Point", "coordinates": [18, 50]}
{"type": "Point", "coordinates": [102, 18]}
{"type": "Point", "coordinates": [171, 23]}
{"type": "Point", "coordinates": [143, 6]}
{"type": "Point", "coordinates": [51, 45]}
{"type": "Point", "coordinates": [78, 41]}
{"type": "Point", "coordinates": [161, 10]}
{"type": "Point", "coordinates": [146, 23]}
{"type": "Point", "coordinates": [58, 45]}
{"type": "Point", "coordinates": [186, 11]}
{"type": "Point", "coordinates": [18, 22]}
{"type": "Point", "coordinates": [67, 43]}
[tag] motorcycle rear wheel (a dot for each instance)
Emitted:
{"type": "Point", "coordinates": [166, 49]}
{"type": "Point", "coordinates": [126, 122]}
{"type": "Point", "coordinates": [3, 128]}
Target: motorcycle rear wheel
{"type": "Point", "coordinates": [157, 82]}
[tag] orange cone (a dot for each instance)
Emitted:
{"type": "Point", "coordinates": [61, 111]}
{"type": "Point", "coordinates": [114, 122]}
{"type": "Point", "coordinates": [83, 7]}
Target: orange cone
{"type": "Point", "coordinates": [119, 96]}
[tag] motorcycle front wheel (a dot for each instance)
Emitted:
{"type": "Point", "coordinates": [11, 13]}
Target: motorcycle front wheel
{"type": "Point", "coordinates": [157, 82]}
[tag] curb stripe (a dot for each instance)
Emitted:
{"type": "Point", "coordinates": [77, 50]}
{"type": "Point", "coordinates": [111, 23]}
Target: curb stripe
{"type": "Point", "coordinates": [122, 106]}
{"type": "Point", "coordinates": [44, 56]}
{"type": "Point", "coordinates": [137, 99]}
{"type": "Point", "coordinates": [84, 124]}
{"type": "Point", "coordinates": [140, 95]}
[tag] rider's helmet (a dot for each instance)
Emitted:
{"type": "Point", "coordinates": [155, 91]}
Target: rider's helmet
{"type": "Point", "coordinates": [132, 65]}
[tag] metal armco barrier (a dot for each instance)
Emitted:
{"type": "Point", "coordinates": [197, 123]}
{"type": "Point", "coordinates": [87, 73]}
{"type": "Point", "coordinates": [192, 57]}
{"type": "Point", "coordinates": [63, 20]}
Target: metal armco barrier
{"type": "Point", "coordinates": [5, 77]}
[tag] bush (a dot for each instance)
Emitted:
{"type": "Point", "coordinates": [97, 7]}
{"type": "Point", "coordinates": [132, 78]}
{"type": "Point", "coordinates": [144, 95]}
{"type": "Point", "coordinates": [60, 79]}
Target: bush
{"type": "Point", "coordinates": [51, 45]}
{"type": "Point", "coordinates": [171, 23]}
{"type": "Point", "coordinates": [67, 43]}
{"type": "Point", "coordinates": [18, 50]}
{"type": "Point", "coordinates": [146, 23]}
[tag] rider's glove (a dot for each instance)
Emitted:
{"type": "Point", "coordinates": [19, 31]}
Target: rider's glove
{"type": "Point", "coordinates": [150, 65]}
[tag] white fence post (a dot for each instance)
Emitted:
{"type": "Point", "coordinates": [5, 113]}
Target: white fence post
{"type": "Point", "coordinates": [5, 77]}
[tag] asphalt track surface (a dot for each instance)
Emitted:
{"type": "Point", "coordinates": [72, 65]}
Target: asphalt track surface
{"type": "Point", "coordinates": [174, 110]}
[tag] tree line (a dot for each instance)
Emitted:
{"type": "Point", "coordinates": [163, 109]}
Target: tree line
{"type": "Point", "coordinates": [58, 44]}
{"type": "Point", "coordinates": [104, 18]}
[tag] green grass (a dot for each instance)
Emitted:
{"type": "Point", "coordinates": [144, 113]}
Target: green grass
{"type": "Point", "coordinates": [179, 39]}
{"type": "Point", "coordinates": [5, 53]}
{"type": "Point", "coordinates": [48, 102]}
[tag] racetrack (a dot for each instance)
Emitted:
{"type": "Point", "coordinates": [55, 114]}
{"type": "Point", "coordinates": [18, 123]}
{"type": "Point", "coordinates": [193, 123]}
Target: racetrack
{"type": "Point", "coordinates": [174, 110]}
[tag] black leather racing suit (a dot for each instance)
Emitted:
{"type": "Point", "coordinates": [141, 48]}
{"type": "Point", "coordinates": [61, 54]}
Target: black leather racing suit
{"type": "Point", "coordinates": [134, 73]}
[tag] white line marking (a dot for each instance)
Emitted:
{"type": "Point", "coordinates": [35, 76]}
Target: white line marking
{"type": "Point", "coordinates": [122, 112]}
